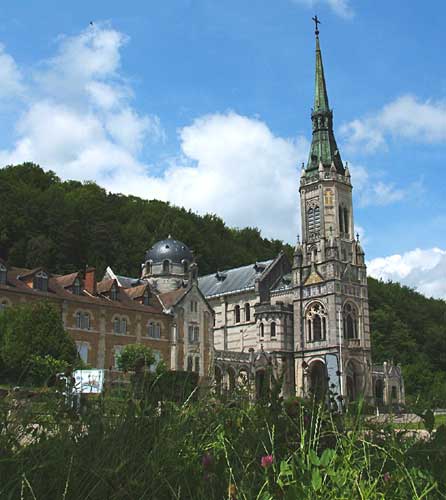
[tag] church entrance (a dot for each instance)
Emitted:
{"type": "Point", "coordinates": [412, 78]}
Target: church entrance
{"type": "Point", "coordinates": [318, 379]}
{"type": "Point", "coordinates": [355, 380]}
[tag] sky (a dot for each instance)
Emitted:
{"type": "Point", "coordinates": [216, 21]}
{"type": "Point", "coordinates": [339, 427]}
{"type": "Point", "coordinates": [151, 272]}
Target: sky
{"type": "Point", "coordinates": [207, 104]}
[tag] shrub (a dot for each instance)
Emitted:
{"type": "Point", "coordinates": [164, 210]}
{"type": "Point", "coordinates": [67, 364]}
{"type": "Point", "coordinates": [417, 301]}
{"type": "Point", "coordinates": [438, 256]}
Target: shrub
{"type": "Point", "coordinates": [135, 357]}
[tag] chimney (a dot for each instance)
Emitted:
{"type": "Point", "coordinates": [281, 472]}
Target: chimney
{"type": "Point", "coordinates": [90, 280]}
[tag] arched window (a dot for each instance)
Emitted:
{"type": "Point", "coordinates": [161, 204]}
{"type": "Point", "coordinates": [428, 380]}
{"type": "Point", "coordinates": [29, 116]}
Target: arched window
{"type": "Point", "coordinates": [247, 312]}
{"type": "Point", "coordinates": [261, 330]}
{"type": "Point", "coordinates": [350, 322]}
{"type": "Point", "coordinates": [3, 274]}
{"type": "Point", "coordinates": [86, 321]}
{"type": "Point", "coordinates": [154, 330]}
{"type": "Point", "coordinates": [237, 314]}
{"type": "Point", "coordinates": [166, 267]}
{"type": "Point", "coordinates": [185, 266]}
{"type": "Point", "coordinates": [316, 323]}
{"type": "Point", "coordinates": [341, 219]}
{"type": "Point", "coordinates": [197, 364]}
{"type": "Point", "coordinates": [317, 218]}
{"type": "Point", "coordinates": [78, 320]}
{"type": "Point", "coordinates": [120, 326]}
{"type": "Point", "coordinates": [310, 220]}
{"type": "Point", "coordinates": [273, 330]}
{"type": "Point", "coordinates": [117, 325]}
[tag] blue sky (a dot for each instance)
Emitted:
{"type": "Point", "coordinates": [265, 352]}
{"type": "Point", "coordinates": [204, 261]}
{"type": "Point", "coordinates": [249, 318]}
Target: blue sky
{"type": "Point", "coordinates": [207, 104]}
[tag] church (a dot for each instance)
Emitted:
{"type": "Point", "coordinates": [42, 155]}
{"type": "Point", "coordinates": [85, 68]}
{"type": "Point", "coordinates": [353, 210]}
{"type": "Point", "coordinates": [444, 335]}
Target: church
{"type": "Point", "coordinates": [302, 325]}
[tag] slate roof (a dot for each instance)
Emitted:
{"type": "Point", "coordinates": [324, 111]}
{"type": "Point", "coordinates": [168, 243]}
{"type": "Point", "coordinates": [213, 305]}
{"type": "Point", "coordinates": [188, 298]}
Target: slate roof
{"type": "Point", "coordinates": [232, 280]}
{"type": "Point", "coordinates": [173, 250]}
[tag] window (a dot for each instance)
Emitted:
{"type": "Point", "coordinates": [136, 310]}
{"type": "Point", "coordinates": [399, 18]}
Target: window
{"type": "Point", "coordinates": [346, 222]}
{"type": "Point", "coordinates": [166, 266]}
{"type": "Point", "coordinates": [237, 314]}
{"type": "Point", "coordinates": [116, 353]}
{"type": "Point", "coordinates": [40, 281]}
{"type": "Point", "coordinates": [247, 312]}
{"type": "Point", "coordinates": [273, 330]}
{"type": "Point", "coordinates": [350, 322]}
{"type": "Point", "coordinates": [120, 326]}
{"type": "Point", "coordinates": [185, 266]}
{"type": "Point", "coordinates": [197, 364]}
{"type": "Point", "coordinates": [77, 287]}
{"type": "Point", "coordinates": [314, 219]}
{"type": "Point", "coordinates": [189, 363]}
{"type": "Point", "coordinates": [82, 350]}
{"type": "Point", "coordinates": [341, 219]}
{"type": "Point", "coordinates": [3, 274]}
{"type": "Point", "coordinates": [193, 306]}
{"type": "Point", "coordinates": [316, 323]}
{"type": "Point", "coordinates": [82, 320]}
{"type": "Point", "coordinates": [194, 334]}
{"type": "Point", "coordinates": [261, 330]}
{"type": "Point", "coordinates": [114, 292]}
{"type": "Point", "coordinates": [146, 298]}
{"type": "Point", "coordinates": [154, 330]}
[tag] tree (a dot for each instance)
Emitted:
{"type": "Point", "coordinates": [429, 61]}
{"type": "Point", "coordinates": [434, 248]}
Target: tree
{"type": "Point", "coordinates": [32, 337]}
{"type": "Point", "coordinates": [135, 357]}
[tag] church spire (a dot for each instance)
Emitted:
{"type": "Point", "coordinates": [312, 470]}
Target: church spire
{"type": "Point", "coordinates": [324, 149]}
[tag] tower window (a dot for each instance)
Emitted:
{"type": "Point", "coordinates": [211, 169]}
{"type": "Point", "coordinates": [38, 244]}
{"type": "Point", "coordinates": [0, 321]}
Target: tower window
{"type": "Point", "coordinates": [316, 322]}
{"type": "Point", "coordinates": [351, 329]}
{"type": "Point", "coordinates": [341, 219]}
{"type": "Point", "coordinates": [346, 221]}
{"type": "Point", "coordinates": [314, 219]}
{"type": "Point", "coordinates": [261, 330]}
{"type": "Point", "coordinates": [166, 266]}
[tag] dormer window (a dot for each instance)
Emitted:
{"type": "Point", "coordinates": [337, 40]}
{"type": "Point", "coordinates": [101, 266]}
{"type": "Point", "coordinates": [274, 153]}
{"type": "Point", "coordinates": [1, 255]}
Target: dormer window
{"type": "Point", "coordinates": [166, 267]}
{"type": "Point", "coordinates": [40, 281]}
{"type": "Point", "coordinates": [114, 292]}
{"type": "Point", "coordinates": [77, 286]}
{"type": "Point", "coordinates": [3, 274]}
{"type": "Point", "coordinates": [146, 298]}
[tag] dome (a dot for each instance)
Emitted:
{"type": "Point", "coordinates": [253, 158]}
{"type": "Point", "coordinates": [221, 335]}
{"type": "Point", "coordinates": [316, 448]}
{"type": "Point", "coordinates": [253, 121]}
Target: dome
{"type": "Point", "coordinates": [169, 249]}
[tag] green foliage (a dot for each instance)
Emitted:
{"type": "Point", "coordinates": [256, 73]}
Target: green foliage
{"type": "Point", "coordinates": [134, 357]}
{"type": "Point", "coordinates": [410, 329]}
{"type": "Point", "coordinates": [205, 449]}
{"type": "Point", "coordinates": [33, 342]}
{"type": "Point", "coordinates": [66, 225]}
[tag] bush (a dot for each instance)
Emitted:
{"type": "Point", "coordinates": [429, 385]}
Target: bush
{"type": "Point", "coordinates": [31, 333]}
{"type": "Point", "coordinates": [134, 357]}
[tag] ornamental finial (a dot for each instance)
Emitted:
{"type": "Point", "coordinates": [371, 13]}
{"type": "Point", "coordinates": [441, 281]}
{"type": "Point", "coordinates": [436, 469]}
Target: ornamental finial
{"type": "Point", "coordinates": [316, 23]}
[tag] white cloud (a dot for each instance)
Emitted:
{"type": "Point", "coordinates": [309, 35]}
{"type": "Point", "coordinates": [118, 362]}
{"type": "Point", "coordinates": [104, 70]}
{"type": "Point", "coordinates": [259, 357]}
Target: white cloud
{"type": "Point", "coordinates": [372, 191]}
{"type": "Point", "coordinates": [233, 166]}
{"type": "Point", "coordinates": [424, 270]}
{"type": "Point", "coordinates": [11, 79]}
{"type": "Point", "coordinates": [341, 8]}
{"type": "Point", "coordinates": [406, 117]}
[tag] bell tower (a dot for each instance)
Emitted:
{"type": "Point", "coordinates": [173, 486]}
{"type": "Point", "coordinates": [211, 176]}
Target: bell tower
{"type": "Point", "coordinates": [331, 312]}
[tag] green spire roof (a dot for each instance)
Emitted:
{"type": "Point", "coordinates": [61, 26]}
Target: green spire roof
{"type": "Point", "coordinates": [323, 145]}
{"type": "Point", "coordinates": [320, 94]}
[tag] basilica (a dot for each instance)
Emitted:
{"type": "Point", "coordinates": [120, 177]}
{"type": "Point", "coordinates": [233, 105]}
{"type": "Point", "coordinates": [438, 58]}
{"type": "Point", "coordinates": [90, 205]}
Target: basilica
{"type": "Point", "coordinates": [302, 325]}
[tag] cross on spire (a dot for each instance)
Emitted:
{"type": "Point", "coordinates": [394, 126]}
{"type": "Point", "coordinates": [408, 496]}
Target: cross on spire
{"type": "Point", "coordinates": [316, 23]}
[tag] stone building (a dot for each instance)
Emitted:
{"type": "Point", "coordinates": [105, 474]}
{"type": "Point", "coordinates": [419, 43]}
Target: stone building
{"type": "Point", "coordinates": [168, 314]}
{"type": "Point", "coordinates": [308, 319]}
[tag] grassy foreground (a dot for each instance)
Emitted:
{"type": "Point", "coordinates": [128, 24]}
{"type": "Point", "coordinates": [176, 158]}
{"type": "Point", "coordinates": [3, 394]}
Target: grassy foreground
{"type": "Point", "coordinates": [208, 449]}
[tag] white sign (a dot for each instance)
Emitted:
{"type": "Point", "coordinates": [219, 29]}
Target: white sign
{"type": "Point", "coordinates": [88, 381]}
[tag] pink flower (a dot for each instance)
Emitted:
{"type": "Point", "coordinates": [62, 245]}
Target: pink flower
{"type": "Point", "coordinates": [386, 477]}
{"type": "Point", "coordinates": [207, 460]}
{"type": "Point", "coordinates": [266, 461]}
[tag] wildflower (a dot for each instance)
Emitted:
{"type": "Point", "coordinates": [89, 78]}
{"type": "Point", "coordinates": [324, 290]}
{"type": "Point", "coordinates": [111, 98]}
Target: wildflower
{"type": "Point", "coordinates": [232, 491]}
{"type": "Point", "coordinates": [207, 460]}
{"type": "Point", "coordinates": [266, 461]}
{"type": "Point", "coordinates": [386, 477]}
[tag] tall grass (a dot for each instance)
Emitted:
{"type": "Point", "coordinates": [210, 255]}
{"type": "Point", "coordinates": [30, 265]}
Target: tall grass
{"type": "Point", "coordinates": [209, 449]}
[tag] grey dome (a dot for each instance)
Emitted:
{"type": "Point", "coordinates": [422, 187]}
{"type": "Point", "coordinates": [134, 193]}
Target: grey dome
{"type": "Point", "coordinates": [169, 249]}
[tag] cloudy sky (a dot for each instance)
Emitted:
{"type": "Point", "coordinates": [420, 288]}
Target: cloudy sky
{"type": "Point", "coordinates": [207, 104]}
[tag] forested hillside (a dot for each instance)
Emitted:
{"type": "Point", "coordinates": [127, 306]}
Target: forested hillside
{"type": "Point", "coordinates": [66, 225]}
